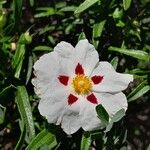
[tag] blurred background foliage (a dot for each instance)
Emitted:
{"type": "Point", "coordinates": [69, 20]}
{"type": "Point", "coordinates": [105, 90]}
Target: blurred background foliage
{"type": "Point", "coordinates": [120, 31]}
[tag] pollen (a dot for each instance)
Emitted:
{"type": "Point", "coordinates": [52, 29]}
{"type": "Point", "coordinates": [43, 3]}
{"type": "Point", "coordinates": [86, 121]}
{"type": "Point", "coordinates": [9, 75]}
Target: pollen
{"type": "Point", "coordinates": [82, 84]}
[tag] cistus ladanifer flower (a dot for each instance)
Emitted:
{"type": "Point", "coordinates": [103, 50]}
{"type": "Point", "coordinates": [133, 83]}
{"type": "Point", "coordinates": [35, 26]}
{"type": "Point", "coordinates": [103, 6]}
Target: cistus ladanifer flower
{"type": "Point", "coordinates": [71, 82]}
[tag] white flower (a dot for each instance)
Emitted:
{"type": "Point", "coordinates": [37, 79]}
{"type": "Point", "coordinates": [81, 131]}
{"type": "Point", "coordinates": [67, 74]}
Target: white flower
{"type": "Point", "coordinates": [71, 82]}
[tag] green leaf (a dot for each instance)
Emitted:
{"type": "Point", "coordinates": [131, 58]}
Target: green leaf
{"type": "Point", "coordinates": [18, 58]}
{"type": "Point", "coordinates": [114, 62]}
{"type": "Point", "coordinates": [102, 114]}
{"type": "Point", "coordinates": [118, 115]}
{"type": "Point", "coordinates": [42, 48]}
{"type": "Point", "coordinates": [31, 3]}
{"type": "Point", "coordinates": [47, 11]}
{"type": "Point", "coordinates": [140, 90]}
{"type": "Point", "coordinates": [85, 5]}
{"type": "Point", "coordinates": [17, 8]}
{"type": "Point", "coordinates": [126, 4]}
{"type": "Point", "coordinates": [82, 36]}
{"type": "Point", "coordinates": [24, 108]}
{"type": "Point", "coordinates": [6, 94]}
{"type": "Point", "coordinates": [29, 71]}
{"type": "Point", "coordinates": [2, 113]}
{"type": "Point", "coordinates": [21, 139]}
{"type": "Point", "coordinates": [44, 137]}
{"type": "Point", "coordinates": [115, 118]}
{"type": "Point", "coordinates": [86, 141]}
{"type": "Point", "coordinates": [68, 8]}
{"type": "Point", "coordinates": [97, 31]}
{"type": "Point", "coordinates": [131, 52]}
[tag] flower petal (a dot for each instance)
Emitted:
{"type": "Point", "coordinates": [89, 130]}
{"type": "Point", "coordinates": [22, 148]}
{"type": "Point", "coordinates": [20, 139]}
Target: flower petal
{"type": "Point", "coordinates": [112, 102]}
{"type": "Point", "coordinates": [112, 81]}
{"type": "Point", "coordinates": [64, 49]}
{"type": "Point", "coordinates": [71, 123]}
{"type": "Point", "coordinates": [70, 120]}
{"type": "Point", "coordinates": [89, 118]}
{"type": "Point", "coordinates": [86, 55]}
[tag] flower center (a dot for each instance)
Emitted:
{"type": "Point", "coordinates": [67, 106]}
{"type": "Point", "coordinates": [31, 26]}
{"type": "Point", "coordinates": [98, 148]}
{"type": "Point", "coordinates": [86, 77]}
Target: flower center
{"type": "Point", "coordinates": [82, 84]}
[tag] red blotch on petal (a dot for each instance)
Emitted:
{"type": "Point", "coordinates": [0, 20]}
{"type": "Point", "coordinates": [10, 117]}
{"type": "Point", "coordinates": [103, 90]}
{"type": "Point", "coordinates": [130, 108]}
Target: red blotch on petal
{"type": "Point", "coordinates": [72, 99]}
{"type": "Point", "coordinates": [63, 79]}
{"type": "Point", "coordinates": [97, 79]}
{"type": "Point", "coordinates": [91, 98]}
{"type": "Point", "coordinates": [79, 69]}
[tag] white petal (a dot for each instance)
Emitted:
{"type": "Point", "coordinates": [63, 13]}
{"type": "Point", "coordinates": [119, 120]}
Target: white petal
{"type": "Point", "coordinates": [52, 107]}
{"type": "Point", "coordinates": [112, 102]}
{"type": "Point", "coordinates": [89, 118]}
{"type": "Point", "coordinates": [112, 81]}
{"type": "Point", "coordinates": [70, 120]}
{"type": "Point", "coordinates": [47, 65]}
{"type": "Point", "coordinates": [86, 55]}
{"type": "Point", "coordinates": [64, 49]}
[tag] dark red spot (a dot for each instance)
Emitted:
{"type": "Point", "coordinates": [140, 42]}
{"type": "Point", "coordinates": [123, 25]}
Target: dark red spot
{"type": "Point", "coordinates": [97, 79]}
{"type": "Point", "coordinates": [91, 98]}
{"type": "Point", "coordinates": [63, 79]}
{"type": "Point", "coordinates": [79, 69]}
{"type": "Point", "coordinates": [72, 99]}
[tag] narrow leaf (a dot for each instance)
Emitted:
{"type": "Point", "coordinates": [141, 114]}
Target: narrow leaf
{"type": "Point", "coordinates": [18, 58]}
{"type": "Point", "coordinates": [97, 31]}
{"type": "Point", "coordinates": [133, 53]}
{"type": "Point", "coordinates": [17, 7]}
{"type": "Point", "coordinates": [85, 5]}
{"type": "Point", "coordinates": [6, 93]}
{"type": "Point", "coordinates": [24, 107]}
{"type": "Point", "coordinates": [2, 113]}
{"type": "Point", "coordinates": [138, 91]}
{"type": "Point", "coordinates": [21, 139]}
{"type": "Point", "coordinates": [114, 62]}
{"type": "Point", "coordinates": [44, 137]}
{"type": "Point", "coordinates": [118, 115]}
{"type": "Point", "coordinates": [82, 36]}
{"type": "Point", "coordinates": [42, 48]}
{"type": "Point", "coordinates": [29, 72]}
{"type": "Point", "coordinates": [102, 114]}
{"type": "Point", "coordinates": [126, 4]}
{"type": "Point", "coordinates": [86, 141]}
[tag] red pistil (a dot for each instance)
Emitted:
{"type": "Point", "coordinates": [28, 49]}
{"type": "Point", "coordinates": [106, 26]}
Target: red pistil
{"type": "Point", "coordinates": [63, 79]}
{"type": "Point", "coordinates": [79, 69]}
{"type": "Point", "coordinates": [91, 98]}
{"type": "Point", "coordinates": [97, 79]}
{"type": "Point", "coordinates": [72, 99]}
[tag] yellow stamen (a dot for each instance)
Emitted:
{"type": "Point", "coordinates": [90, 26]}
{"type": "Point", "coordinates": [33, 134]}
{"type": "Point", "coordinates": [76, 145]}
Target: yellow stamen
{"type": "Point", "coordinates": [82, 84]}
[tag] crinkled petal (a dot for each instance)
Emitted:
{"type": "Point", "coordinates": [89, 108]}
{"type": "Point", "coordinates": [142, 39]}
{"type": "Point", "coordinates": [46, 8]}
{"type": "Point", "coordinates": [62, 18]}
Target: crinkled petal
{"type": "Point", "coordinates": [112, 102]}
{"type": "Point", "coordinates": [86, 55]}
{"type": "Point", "coordinates": [64, 49]}
{"type": "Point", "coordinates": [89, 118]}
{"type": "Point", "coordinates": [70, 119]}
{"type": "Point", "coordinates": [53, 106]}
{"type": "Point", "coordinates": [46, 66]}
{"type": "Point", "coordinates": [112, 81]}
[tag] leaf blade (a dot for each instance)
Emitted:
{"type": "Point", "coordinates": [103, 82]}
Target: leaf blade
{"type": "Point", "coordinates": [85, 5]}
{"type": "Point", "coordinates": [44, 137]}
{"type": "Point", "coordinates": [24, 108]}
